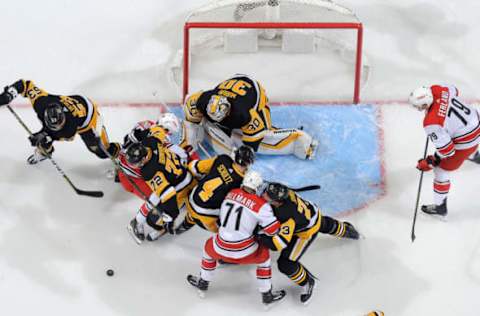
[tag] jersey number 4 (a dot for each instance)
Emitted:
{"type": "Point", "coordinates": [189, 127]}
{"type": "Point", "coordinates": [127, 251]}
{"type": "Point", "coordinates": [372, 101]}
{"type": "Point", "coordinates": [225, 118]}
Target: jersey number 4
{"type": "Point", "coordinates": [238, 210]}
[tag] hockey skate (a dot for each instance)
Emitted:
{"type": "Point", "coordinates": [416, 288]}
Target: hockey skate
{"type": "Point", "coordinates": [136, 231]}
{"type": "Point", "coordinates": [271, 297]}
{"type": "Point", "coordinates": [36, 157]}
{"type": "Point", "coordinates": [183, 227]}
{"type": "Point", "coordinates": [307, 290]}
{"type": "Point", "coordinates": [475, 158]}
{"type": "Point", "coordinates": [155, 234]}
{"type": "Point", "coordinates": [199, 283]}
{"type": "Point", "coordinates": [350, 231]}
{"type": "Point", "coordinates": [433, 209]}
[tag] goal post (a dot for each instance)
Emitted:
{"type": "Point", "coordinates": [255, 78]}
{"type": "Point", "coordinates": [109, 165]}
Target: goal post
{"type": "Point", "coordinates": [273, 25]}
{"type": "Point", "coordinates": [274, 41]}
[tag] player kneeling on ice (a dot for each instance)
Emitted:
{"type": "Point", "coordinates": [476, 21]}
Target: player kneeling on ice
{"type": "Point", "coordinates": [217, 176]}
{"type": "Point", "coordinates": [301, 221]}
{"type": "Point", "coordinates": [130, 176]}
{"type": "Point", "coordinates": [62, 118]}
{"type": "Point", "coordinates": [240, 214]}
{"type": "Point", "coordinates": [236, 111]}
{"type": "Point", "coordinates": [454, 128]}
{"type": "Point", "coordinates": [169, 181]}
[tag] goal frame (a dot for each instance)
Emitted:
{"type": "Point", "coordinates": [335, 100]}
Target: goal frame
{"type": "Point", "coordinates": [273, 25]}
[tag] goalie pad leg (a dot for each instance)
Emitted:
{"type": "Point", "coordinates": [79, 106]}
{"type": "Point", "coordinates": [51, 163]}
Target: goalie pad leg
{"type": "Point", "coordinates": [288, 141]}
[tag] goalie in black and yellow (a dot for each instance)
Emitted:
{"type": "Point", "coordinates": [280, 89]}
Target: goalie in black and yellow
{"type": "Point", "coordinates": [236, 111]}
{"type": "Point", "coordinates": [301, 221]}
{"type": "Point", "coordinates": [62, 118]}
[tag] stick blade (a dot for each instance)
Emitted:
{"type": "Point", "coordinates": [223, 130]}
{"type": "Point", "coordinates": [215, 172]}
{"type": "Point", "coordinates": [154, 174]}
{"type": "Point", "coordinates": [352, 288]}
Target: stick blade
{"type": "Point", "coordinates": [95, 194]}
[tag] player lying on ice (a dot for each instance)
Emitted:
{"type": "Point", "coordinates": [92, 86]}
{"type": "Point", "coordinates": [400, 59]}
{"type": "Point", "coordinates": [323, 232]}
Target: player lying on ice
{"type": "Point", "coordinates": [129, 176]}
{"type": "Point", "coordinates": [167, 179]}
{"type": "Point", "coordinates": [454, 128]}
{"type": "Point", "coordinates": [62, 118]}
{"type": "Point", "coordinates": [236, 112]}
{"type": "Point", "coordinates": [241, 213]}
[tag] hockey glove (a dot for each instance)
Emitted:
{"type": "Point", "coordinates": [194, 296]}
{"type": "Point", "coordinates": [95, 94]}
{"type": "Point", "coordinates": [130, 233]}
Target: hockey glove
{"type": "Point", "coordinates": [428, 163]}
{"type": "Point", "coordinates": [9, 93]}
{"type": "Point", "coordinates": [192, 154]}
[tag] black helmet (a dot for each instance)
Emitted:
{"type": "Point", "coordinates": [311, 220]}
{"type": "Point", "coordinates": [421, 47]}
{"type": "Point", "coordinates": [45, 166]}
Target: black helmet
{"type": "Point", "coordinates": [54, 117]}
{"type": "Point", "coordinates": [135, 153]}
{"type": "Point", "coordinates": [277, 191]}
{"type": "Point", "coordinates": [244, 156]}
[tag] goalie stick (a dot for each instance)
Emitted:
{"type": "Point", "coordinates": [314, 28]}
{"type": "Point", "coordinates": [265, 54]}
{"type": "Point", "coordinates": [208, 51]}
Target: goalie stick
{"type": "Point", "coordinates": [97, 194]}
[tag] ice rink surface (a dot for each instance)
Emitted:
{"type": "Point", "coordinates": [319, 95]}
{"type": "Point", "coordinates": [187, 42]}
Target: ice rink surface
{"type": "Point", "coordinates": [56, 246]}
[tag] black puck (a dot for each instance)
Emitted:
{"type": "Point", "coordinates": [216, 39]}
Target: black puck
{"type": "Point", "coordinates": [110, 272]}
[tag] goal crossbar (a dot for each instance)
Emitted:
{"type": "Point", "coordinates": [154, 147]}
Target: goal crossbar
{"type": "Point", "coordinates": [273, 25]}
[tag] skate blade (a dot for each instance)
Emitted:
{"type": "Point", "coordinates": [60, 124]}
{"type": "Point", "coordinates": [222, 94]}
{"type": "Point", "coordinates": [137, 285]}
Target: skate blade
{"type": "Point", "coordinates": [201, 294]}
{"type": "Point", "coordinates": [435, 217]}
{"type": "Point", "coordinates": [267, 307]}
{"type": "Point", "coordinates": [131, 233]}
{"type": "Point", "coordinates": [310, 299]}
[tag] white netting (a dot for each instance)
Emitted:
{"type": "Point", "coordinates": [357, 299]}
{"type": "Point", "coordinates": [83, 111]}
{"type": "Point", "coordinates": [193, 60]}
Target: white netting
{"type": "Point", "coordinates": [342, 42]}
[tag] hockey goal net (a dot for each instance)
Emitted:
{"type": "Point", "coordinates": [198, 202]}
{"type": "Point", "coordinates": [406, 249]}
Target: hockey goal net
{"type": "Point", "coordinates": [315, 43]}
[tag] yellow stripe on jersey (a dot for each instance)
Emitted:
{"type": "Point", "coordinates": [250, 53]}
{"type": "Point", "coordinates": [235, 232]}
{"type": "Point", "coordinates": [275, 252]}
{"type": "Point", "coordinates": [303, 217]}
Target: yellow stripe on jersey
{"type": "Point", "coordinates": [192, 114]}
{"type": "Point", "coordinates": [201, 167]}
{"type": "Point", "coordinates": [298, 249]}
{"type": "Point", "coordinates": [32, 92]}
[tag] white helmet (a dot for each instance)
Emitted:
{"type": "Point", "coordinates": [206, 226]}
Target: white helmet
{"type": "Point", "coordinates": [421, 98]}
{"type": "Point", "coordinates": [218, 108]}
{"type": "Point", "coordinates": [252, 180]}
{"type": "Point", "coordinates": [169, 121]}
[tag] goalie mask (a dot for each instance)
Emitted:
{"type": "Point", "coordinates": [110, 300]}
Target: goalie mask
{"type": "Point", "coordinates": [54, 117]}
{"type": "Point", "coordinates": [137, 155]}
{"type": "Point", "coordinates": [218, 108]}
{"type": "Point", "coordinates": [421, 98]}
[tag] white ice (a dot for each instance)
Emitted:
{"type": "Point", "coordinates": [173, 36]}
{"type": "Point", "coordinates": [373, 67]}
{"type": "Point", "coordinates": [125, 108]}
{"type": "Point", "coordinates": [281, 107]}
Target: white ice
{"type": "Point", "coordinates": [55, 246]}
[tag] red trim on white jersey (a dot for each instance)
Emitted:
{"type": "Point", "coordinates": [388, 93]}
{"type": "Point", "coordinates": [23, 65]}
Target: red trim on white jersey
{"type": "Point", "coordinates": [251, 201]}
{"type": "Point", "coordinates": [447, 150]}
{"type": "Point", "coordinates": [469, 137]}
{"type": "Point", "coordinates": [234, 245]}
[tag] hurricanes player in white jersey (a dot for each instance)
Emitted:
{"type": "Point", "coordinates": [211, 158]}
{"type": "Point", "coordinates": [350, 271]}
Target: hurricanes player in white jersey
{"type": "Point", "coordinates": [454, 128]}
{"type": "Point", "coordinates": [241, 213]}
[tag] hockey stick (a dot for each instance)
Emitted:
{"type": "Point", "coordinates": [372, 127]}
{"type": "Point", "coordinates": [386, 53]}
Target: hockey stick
{"type": "Point", "coordinates": [418, 194]}
{"type": "Point", "coordinates": [307, 188]}
{"type": "Point", "coordinates": [97, 194]}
